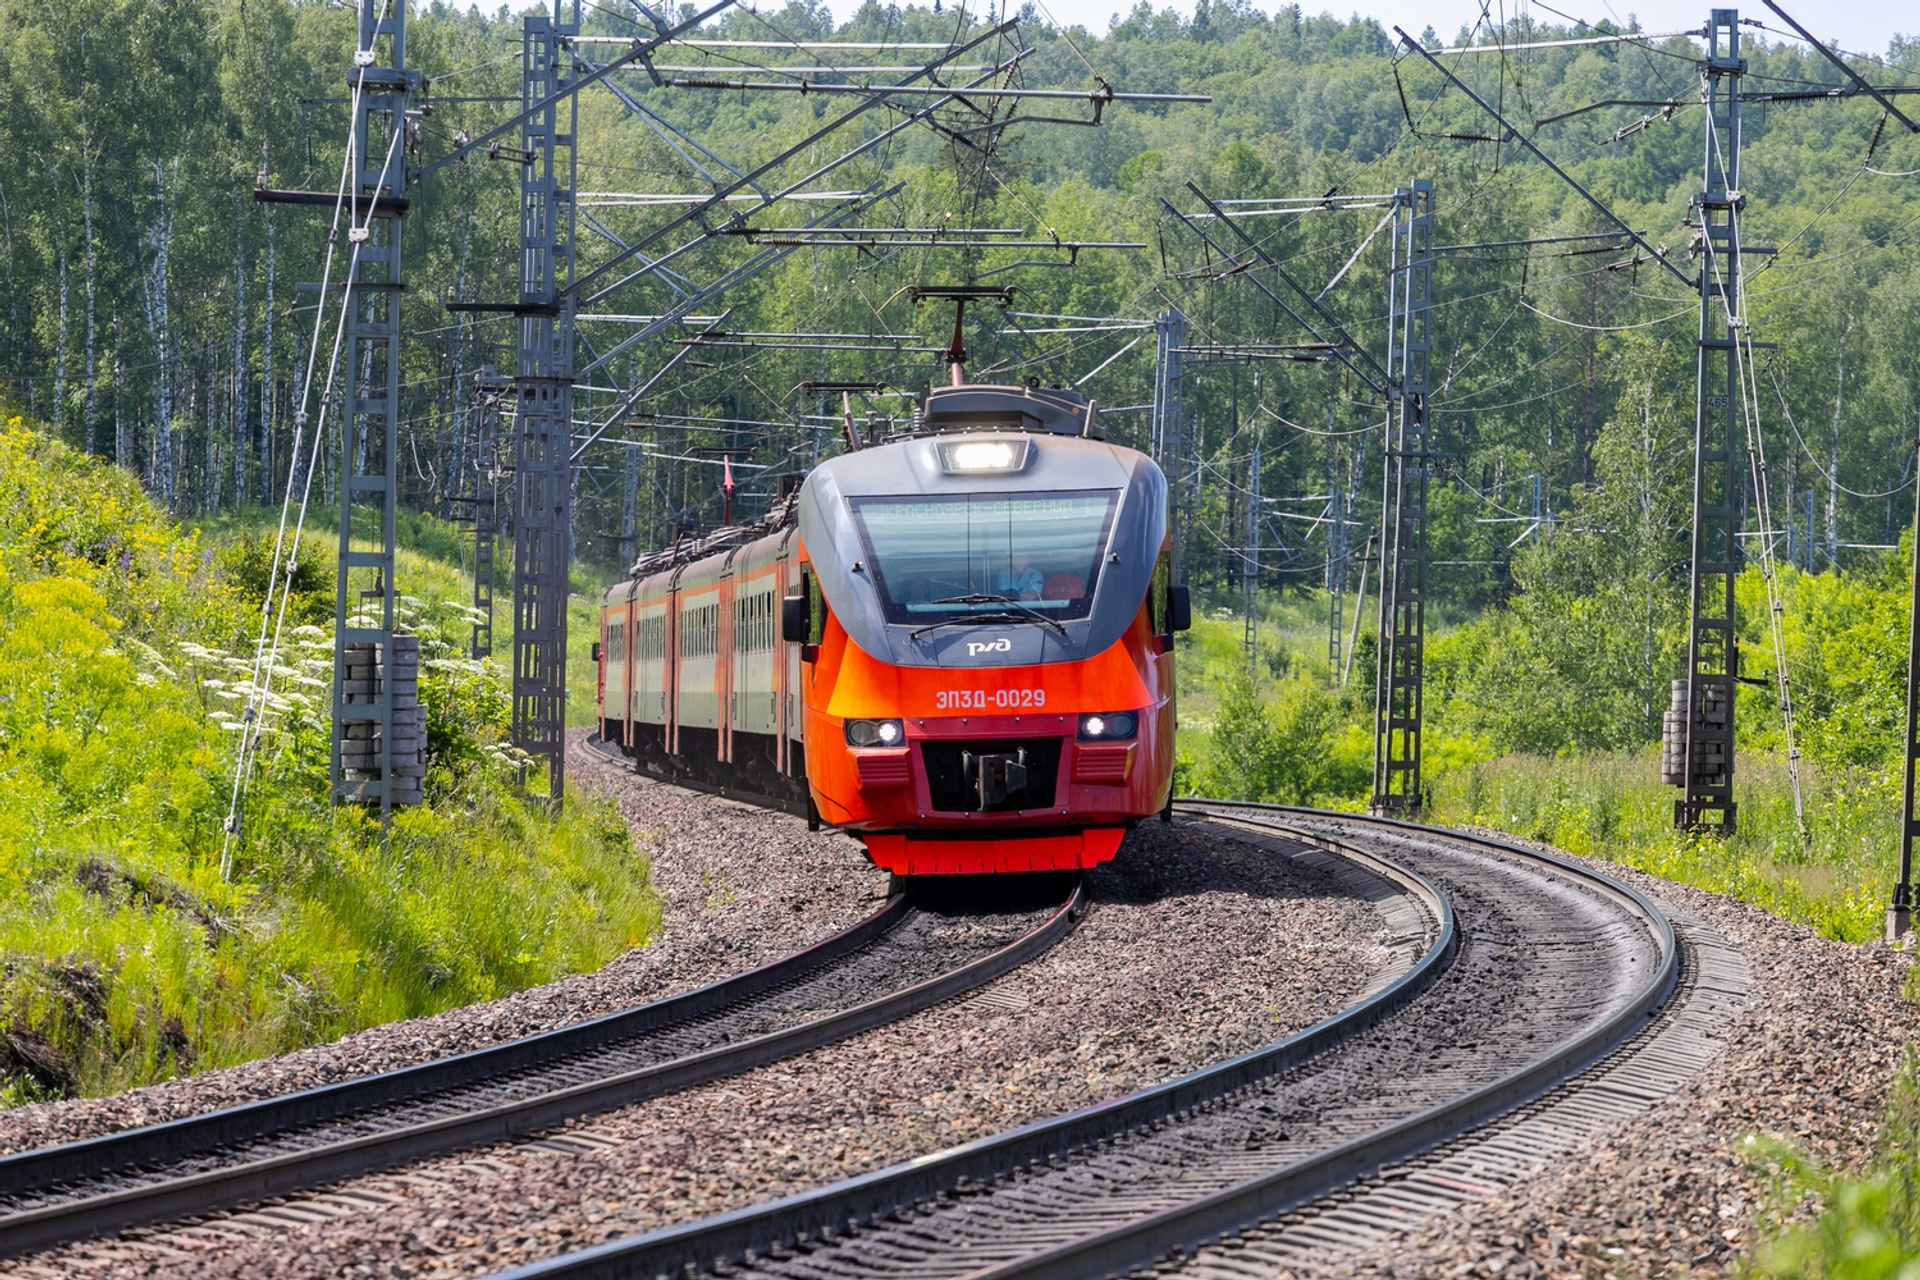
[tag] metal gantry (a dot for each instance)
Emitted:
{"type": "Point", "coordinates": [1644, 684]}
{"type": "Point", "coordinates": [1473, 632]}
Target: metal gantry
{"type": "Point", "coordinates": [543, 396]}
{"type": "Point", "coordinates": [1399, 688]}
{"type": "Point", "coordinates": [373, 712]}
{"type": "Point", "coordinates": [1699, 732]}
{"type": "Point", "coordinates": [376, 712]}
{"type": "Point", "coordinates": [1713, 655]}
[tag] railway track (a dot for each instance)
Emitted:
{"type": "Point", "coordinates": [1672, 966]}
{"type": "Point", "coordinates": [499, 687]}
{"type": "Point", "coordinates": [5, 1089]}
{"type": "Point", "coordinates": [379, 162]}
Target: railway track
{"type": "Point", "coordinates": [1534, 970]}
{"type": "Point", "coordinates": [894, 963]}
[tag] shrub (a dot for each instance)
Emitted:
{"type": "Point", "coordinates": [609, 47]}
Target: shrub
{"type": "Point", "coordinates": [130, 955]}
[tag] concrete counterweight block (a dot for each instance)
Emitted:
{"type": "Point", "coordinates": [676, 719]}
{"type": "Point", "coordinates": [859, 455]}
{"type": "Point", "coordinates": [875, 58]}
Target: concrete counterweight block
{"type": "Point", "coordinates": [1709, 757]}
{"type": "Point", "coordinates": [366, 676]}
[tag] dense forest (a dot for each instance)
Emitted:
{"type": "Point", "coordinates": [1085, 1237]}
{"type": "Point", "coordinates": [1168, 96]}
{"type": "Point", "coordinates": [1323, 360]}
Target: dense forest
{"type": "Point", "coordinates": [156, 314]}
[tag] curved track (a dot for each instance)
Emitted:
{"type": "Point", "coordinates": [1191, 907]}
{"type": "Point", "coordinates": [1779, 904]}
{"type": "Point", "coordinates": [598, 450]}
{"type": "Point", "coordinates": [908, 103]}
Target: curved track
{"type": "Point", "coordinates": [1536, 969]}
{"type": "Point", "coordinates": [900, 960]}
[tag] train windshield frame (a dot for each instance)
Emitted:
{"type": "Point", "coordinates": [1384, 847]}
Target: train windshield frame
{"type": "Point", "coordinates": [1039, 548]}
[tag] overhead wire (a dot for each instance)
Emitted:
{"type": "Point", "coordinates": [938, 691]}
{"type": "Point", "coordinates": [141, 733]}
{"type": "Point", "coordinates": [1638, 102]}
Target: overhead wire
{"type": "Point", "coordinates": [266, 653]}
{"type": "Point", "coordinates": [1733, 305]}
{"type": "Point", "coordinates": [1814, 460]}
{"type": "Point", "coordinates": [1604, 328]}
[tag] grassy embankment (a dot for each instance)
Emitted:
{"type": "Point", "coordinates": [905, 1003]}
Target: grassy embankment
{"type": "Point", "coordinates": [1288, 736]}
{"type": "Point", "coordinates": [131, 957]}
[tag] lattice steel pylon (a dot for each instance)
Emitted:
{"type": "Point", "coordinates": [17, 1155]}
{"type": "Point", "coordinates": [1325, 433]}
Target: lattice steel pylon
{"type": "Point", "coordinates": [1169, 419]}
{"type": "Point", "coordinates": [1337, 551]}
{"type": "Point", "coordinates": [1713, 658]}
{"type": "Point", "coordinates": [543, 395]}
{"type": "Point", "coordinates": [1398, 696]}
{"type": "Point", "coordinates": [1900, 908]}
{"type": "Point", "coordinates": [374, 704]}
{"type": "Point", "coordinates": [1250, 557]}
{"type": "Point", "coordinates": [490, 392]}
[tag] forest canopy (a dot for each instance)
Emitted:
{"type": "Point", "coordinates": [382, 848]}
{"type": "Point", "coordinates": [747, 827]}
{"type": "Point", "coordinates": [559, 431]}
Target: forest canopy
{"type": "Point", "coordinates": [155, 313]}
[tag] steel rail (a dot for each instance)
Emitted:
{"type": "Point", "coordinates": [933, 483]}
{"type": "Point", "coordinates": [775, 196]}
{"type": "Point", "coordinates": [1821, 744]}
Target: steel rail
{"type": "Point", "coordinates": [823, 1215]}
{"type": "Point", "coordinates": [1152, 1236]}
{"type": "Point", "coordinates": [826, 1212]}
{"type": "Point", "coordinates": [40, 1227]}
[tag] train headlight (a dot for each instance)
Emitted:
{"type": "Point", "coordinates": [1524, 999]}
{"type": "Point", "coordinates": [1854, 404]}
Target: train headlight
{"type": "Point", "coordinates": [970, 457]}
{"type": "Point", "coordinates": [875, 733]}
{"type": "Point", "coordinates": [1111, 726]}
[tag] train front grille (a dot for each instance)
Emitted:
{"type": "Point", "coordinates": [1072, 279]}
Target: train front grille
{"type": "Point", "coordinates": [992, 777]}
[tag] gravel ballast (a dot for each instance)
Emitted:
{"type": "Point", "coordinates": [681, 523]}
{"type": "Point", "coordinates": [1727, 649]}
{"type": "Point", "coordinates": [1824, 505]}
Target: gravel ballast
{"type": "Point", "coordinates": [1809, 1059]}
{"type": "Point", "coordinates": [1192, 951]}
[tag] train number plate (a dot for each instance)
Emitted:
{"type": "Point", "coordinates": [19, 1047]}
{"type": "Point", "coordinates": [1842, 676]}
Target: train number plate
{"type": "Point", "coordinates": [989, 699]}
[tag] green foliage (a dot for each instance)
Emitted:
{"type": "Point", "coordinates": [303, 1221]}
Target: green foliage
{"type": "Point", "coordinates": [1266, 733]}
{"type": "Point", "coordinates": [1582, 659]}
{"type": "Point", "coordinates": [1613, 806]}
{"type": "Point", "coordinates": [1541, 720]}
{"type": "Point", "coordinates": [1864, 1228]}
{"type": "Point", "coordinates": [1543, 356]}
{"type": "Point", "coordinates": [130, 957]}
{"type": "Point", "coordinates": [1274, 747]}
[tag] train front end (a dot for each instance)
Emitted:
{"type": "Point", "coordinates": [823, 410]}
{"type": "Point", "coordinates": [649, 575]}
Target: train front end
{"type": "Point", "coordinates": [987, 678]}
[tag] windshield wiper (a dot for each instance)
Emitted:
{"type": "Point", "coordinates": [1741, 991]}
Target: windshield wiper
{"type": "Point", "coordinates": [1026, 614]}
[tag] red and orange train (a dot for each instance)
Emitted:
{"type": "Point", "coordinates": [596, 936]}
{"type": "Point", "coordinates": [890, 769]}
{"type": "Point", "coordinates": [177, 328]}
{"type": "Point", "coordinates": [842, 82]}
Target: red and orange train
{"type": "Point", "coordinates": [957, 645]}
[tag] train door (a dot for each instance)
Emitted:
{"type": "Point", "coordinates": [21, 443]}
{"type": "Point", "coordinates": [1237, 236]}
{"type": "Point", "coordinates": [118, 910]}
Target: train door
{"type": "Point", "coordinates": [673, 662]}
{"type": "Point", "coordinates": [652, 667]}
{"type": "Point", "coordinates": [786, 663]}
{"type": "Point", "coordinates": [792, 749]}
{"type": "Point", "coordinates": [600, 667]}
{"type": "Point", "coordinates": [726, 598]}
{"type": "Point", "coordinates": [697, 709]}
{"type": "Point", "coordinates": [629, 662]}
{"type": "Point", "coordinates": [752, 702]}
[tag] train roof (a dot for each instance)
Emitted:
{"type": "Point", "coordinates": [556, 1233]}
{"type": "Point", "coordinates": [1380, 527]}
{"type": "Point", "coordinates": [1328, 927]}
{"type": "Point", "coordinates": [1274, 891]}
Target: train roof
{"type": "Point", "coordinates": [1059, 411]}
{"type": "Point", "coordinates": [687, 550]}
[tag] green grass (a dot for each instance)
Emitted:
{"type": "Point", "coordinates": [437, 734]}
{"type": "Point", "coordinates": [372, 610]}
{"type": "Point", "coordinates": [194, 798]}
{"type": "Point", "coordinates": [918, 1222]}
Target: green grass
{"type": "Point", "coordinates": [131, 953]}
{"type": "Point", "coordinates": [1613, 806]}
{"type": "Point", "coordinates": [1289, 737]}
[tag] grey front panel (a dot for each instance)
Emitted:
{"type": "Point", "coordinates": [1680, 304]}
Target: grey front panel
{"type": "Point", "coordinates": [1054, 464]}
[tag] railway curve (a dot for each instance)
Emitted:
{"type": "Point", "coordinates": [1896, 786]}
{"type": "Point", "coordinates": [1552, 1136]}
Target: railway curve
{"type": "Point", "coordinates": [896, 962]}
{"type": "Point", "coordinates": [1536, 969]}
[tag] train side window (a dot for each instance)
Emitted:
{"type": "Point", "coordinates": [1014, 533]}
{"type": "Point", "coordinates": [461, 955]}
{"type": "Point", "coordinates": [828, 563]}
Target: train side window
{"type": "Point", "coordinates": [1159, 607]}
{"type": "Point", "coordinates": [816, 610]}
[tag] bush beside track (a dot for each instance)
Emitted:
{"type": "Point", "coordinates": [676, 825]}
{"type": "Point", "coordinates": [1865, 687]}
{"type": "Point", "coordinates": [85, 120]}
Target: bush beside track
{"type": "Point", "coordinates": [128, 957]}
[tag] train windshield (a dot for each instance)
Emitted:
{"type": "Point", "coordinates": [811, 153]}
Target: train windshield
{"type": "Point", "coordinates": [949, 556]}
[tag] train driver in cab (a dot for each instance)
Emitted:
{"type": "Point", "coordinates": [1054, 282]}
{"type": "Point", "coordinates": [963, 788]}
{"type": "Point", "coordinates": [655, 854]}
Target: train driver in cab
{"type": "Point", "coordinates": [1021, 581]}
